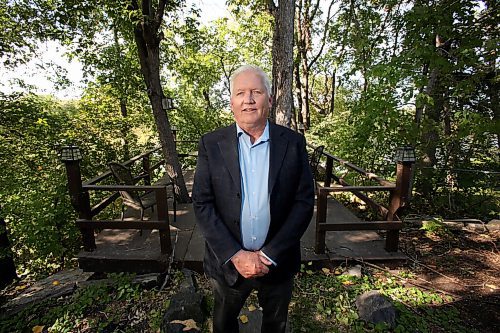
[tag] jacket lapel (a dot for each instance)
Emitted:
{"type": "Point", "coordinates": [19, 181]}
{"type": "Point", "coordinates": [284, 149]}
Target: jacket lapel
{"type": "Point", "coordinates": [277, 153]}
{"type": "Point", "coordinates": [228, 146]}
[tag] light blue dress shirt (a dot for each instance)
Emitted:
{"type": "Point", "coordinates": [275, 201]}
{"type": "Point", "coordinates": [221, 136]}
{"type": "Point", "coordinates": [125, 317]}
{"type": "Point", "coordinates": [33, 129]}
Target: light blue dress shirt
{"type": "Point", "coordinates": [254, 167]}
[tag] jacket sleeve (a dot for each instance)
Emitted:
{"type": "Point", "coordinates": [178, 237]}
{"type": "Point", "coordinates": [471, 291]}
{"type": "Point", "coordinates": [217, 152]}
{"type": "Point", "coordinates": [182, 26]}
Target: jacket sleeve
{"type": "Point", "coordinates": [215, 231]}
{"type": "Point", "coordinates": [300, 214]}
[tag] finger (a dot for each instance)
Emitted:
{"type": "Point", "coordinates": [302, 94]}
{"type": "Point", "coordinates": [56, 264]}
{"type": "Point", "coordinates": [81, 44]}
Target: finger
{"type": "Point", "coordinates": [264, 259]}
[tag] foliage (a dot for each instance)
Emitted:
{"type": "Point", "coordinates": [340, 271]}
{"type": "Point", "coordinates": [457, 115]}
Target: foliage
{"type": "Point", "coordinates": [34, 197]}
{"type": "Point", "coordinates": [118, 297]}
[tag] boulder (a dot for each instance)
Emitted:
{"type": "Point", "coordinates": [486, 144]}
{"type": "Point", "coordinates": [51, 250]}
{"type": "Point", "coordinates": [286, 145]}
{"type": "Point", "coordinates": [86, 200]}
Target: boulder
{"type": "Point", "coordinates": [186, 308]}
{"type": "Point", "coordinates": [373, 307]}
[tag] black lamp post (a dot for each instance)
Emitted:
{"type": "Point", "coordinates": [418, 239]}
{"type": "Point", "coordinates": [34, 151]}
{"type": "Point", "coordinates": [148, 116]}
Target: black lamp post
{"type": "Point", "coordinates": [80, 200]}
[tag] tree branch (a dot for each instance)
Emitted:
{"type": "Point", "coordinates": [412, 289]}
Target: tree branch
{"type": "Point", "coordinates": [323, 42]}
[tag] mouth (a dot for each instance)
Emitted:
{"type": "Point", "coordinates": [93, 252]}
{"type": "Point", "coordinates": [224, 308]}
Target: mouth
{"type": "Point", "coordinates": [249, 110]}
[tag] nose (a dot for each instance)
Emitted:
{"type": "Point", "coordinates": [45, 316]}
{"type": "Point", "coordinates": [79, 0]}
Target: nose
{"type": "Point", "coordinates": [249, 98]}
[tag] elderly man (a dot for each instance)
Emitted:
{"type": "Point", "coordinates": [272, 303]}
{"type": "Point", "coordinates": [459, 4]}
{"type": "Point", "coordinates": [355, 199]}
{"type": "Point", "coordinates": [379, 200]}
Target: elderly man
{"type": "Point", "coordinates": [253, 198]}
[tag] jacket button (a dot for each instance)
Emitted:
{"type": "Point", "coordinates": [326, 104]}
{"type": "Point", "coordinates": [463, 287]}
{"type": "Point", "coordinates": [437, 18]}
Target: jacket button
{"type": "Point", "coordinates": [238, 195]}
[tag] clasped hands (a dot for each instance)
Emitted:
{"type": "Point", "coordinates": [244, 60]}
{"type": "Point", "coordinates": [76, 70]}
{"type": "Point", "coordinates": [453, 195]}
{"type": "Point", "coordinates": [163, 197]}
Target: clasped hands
{"type": "Point", "coordinates": [251, 264]}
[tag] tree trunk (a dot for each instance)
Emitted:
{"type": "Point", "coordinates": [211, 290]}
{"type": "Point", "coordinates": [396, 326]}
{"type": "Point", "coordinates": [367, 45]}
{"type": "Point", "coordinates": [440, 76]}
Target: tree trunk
{"type": "Point", "coordinates": [304, 92]}
{"type": "Point", "coordinates": [332, 100]}
{"type": "Point", "coordinates": [125, 129]}
{"type": "Point", "coordinates": [123, 103]}
{"type": "Point", "coordinates": [438, 90]}
{"type": "Point", "coordinates": [7, 266]}
{"type": "Point", "coordinates": [298, 89]}
{"type": "Point", "coordinates": [281, 110]}
{"type": "Point", "coordinates": [147, 36]}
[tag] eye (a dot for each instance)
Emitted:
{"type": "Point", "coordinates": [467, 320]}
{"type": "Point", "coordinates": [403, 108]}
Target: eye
{"type": "Point", "coordinates": [257, 92]}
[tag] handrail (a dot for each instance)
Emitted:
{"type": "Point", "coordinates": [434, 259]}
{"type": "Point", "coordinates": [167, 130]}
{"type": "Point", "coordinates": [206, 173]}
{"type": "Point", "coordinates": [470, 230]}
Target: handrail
{"type": "Point", "coordinates": [369, 175]}
{"type": "Point", "coordinates": [107, 173]}
{"type": "Point", "coordinates": [123, 187]}
{"type": "Point", "coordinates": [119, 224]}
{"type": "Point", "coordinates": [342, 188]}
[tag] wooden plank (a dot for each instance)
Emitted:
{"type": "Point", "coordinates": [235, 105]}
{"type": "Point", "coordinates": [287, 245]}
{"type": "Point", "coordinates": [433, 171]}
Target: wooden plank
{"type": "Point", "coordinates": [372, 203]}
{"type": "Point", "coordinates": [341, 188]}
{"type": "Point", "coordinates": [104, 203]}
{"type": "Point", "coordinates": [123, 187]}
{"type": "Point", "coordinates": [367, 174]}
{"type": "Point", "coordinates": [369, 225]}
{"type": "Point", "coordinates": [119, 224]}
{"type": "Point", "coordinates": [121, 250]}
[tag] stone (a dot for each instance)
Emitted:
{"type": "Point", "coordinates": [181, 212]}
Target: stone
{"type": "Point", "coordinates": [60, 284]}
{"type": "Point", "coordinates": [147, 281]}
{"type": "Point", "coordinates": [353, 271]}
{"type": "Point", "coordinates": [186, 305]}
{"type": "Point", "coordinates": [493, 225]}
{"type": "Point", "coordinates": [374, 308]}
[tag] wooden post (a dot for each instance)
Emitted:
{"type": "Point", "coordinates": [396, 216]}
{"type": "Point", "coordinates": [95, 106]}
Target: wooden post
{"type": "Point", "coordinates": [328, 171]}
{"type": "Point", "coordinates": [146, 167]}
{"type": "Point", "coordinates": [80, 200]}
{"type": "Point", "coordinates": [162, 205]}
{"type": "Point", "coordinates": [398, 198]}
{"type": "Point", "coordinates": [319, 247]}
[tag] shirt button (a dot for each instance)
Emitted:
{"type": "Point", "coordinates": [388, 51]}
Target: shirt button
{"type": "Point", "coordinates": [254, 238]}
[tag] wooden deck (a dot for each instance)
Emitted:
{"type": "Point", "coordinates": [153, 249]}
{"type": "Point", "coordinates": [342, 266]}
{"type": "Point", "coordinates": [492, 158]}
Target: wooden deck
{"type": "Point", "coordinates": [129, 250]}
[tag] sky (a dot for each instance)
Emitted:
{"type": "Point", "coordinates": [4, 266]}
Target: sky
{"type": "Point", "coordinates": [41, 77]}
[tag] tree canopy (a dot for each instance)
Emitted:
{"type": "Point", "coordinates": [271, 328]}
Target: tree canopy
{"type": "Point", "coordinates": [368, 76]}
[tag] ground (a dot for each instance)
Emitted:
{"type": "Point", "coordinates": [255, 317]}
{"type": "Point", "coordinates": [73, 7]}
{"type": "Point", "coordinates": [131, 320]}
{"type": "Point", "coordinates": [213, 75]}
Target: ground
{"type": "Point", "coordinates": [464, 263]}
{"type": "Point", "coordinates": [451, 283]}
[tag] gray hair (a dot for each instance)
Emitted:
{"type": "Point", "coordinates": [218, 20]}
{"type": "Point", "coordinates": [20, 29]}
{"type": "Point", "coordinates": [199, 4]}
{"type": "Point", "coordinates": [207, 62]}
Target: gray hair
{"type": "Point", "coordinates": [251, 68]}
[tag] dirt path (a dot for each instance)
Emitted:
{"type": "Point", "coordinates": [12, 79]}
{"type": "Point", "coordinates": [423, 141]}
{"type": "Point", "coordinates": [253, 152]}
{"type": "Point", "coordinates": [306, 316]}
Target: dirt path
{"type": "Point", "coordinates": [461, 262]}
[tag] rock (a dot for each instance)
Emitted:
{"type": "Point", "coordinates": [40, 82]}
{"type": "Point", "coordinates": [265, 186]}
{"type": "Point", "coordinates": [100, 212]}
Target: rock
{"type": "Point", "coordinates": [493, 225]}
{"type": "Point", "coordinates": [186, 305]}
{"type": "Point", "coordinates": [147, 281]}
{"type": "Point", "coordinates": [353, 271]}
{"type": "Point", "coordinates": [373, 307]}
{"type": "Point", "coordinates": [60, 284]}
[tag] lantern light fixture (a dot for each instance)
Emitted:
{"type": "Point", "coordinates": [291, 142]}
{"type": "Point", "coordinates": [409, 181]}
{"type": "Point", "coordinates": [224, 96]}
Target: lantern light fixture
{"type": "Point", "coordinates": [70, 153]}
{"type": "Point", "coordinates": [167, 103]}
{"type": "Point", "coordinates": [405, 154]}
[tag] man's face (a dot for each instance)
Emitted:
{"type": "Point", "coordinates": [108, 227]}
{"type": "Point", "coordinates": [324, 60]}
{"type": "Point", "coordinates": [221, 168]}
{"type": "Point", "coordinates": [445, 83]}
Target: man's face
{"type": "Point", "coordinates": [250, 101]}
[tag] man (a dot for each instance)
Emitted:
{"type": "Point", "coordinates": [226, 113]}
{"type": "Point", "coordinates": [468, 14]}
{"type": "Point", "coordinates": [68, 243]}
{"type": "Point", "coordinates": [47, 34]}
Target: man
{"type": "Point", "coordinates": [253, 198]}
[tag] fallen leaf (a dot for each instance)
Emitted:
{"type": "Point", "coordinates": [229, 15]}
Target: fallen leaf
{"type": "Point", "coordinates": [189, 324]}
{"type": "Point", "coordinates": [37, 329]}
{"type": "Point", "coordinates": [244, 319]}
{"type": "Point", "coordinates": [491, 286]}
{"type": "Point", "coordinates": [251, 308]}
{"type": "Point", "coordinates": [325, 270]}
{"type": "Point", "coordinates": [347, 283]}
{"type": "Point", "coordinates": [56, 283]}
{"type": "Point", "coordinates": [22, 287]}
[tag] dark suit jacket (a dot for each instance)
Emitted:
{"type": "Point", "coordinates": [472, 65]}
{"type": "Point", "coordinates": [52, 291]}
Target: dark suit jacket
{"type": "Point", "coordinates": [217, 201]}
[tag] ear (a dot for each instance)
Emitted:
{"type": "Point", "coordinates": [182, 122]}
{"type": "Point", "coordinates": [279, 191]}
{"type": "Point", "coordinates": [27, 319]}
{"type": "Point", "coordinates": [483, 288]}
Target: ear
{"type": "Point", "coordinates": [270, 101]}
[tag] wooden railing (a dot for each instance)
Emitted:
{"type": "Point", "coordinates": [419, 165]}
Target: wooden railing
{"type": "Point", "coordinates": [397, 198]}
{"type": "Point", "coordinates": [80, 198]}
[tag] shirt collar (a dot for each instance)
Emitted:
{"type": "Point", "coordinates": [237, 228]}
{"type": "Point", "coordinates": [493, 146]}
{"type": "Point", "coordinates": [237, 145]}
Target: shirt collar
{"type": "Point", "coordinates": [263, 138]}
